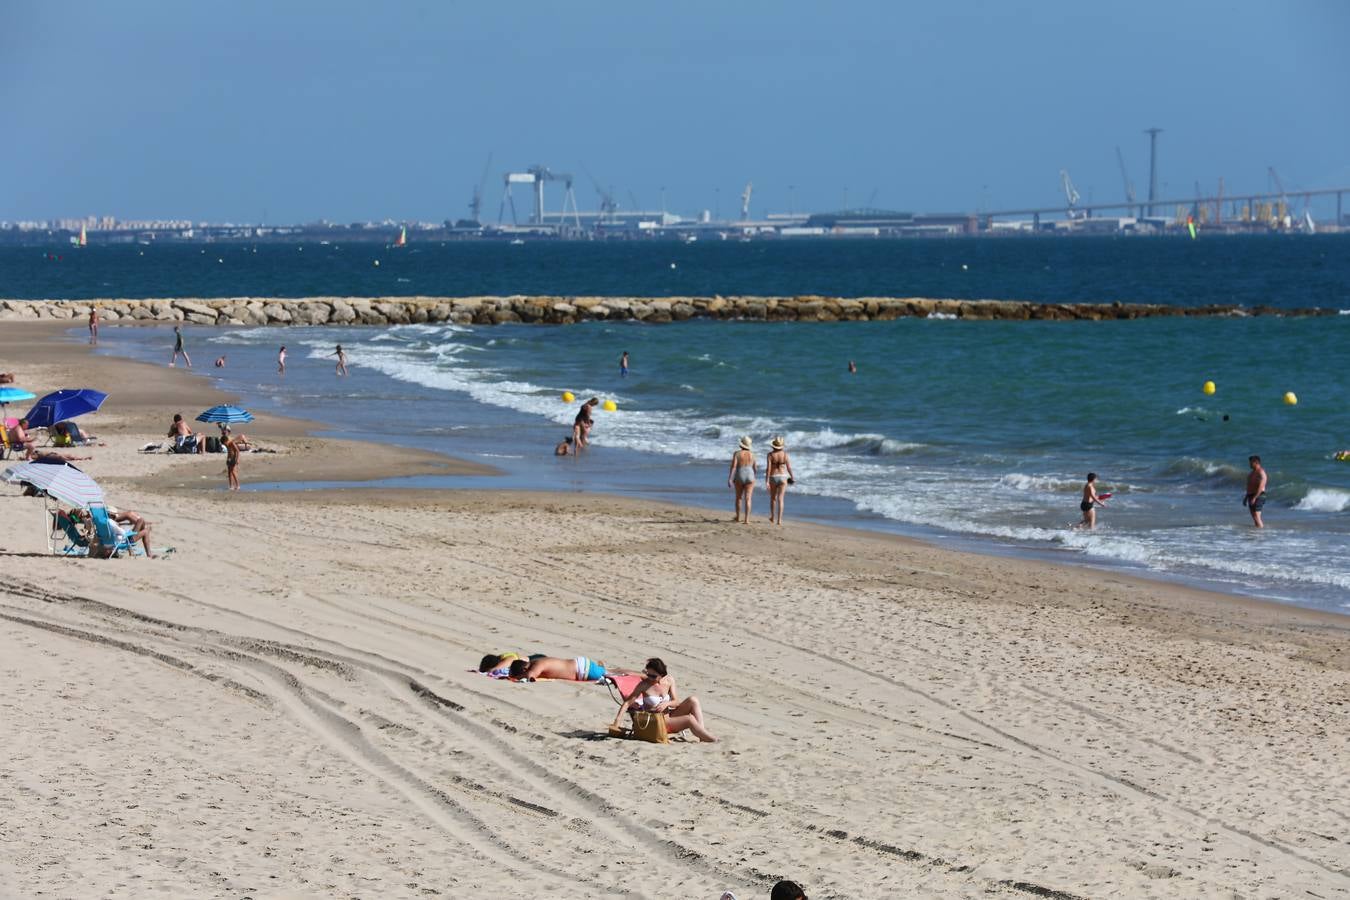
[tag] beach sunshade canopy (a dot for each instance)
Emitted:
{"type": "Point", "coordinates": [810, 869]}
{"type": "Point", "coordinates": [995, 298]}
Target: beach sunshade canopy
{"type": "Point", "coordinates": [14, 395]}
{"type": "Point", "coordinates": [227, 415]}
{"type": "Point", "coordinates": [64, 404]}
{"type": "Point", "coordinates": [66, 483]}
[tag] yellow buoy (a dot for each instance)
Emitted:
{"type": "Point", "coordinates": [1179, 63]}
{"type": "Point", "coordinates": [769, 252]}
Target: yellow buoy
{"type": "Point", "coordinates": [1208, 388]}
{"type": "Point", "coordinates": [610, 406]}
{"type": "Point", "coordinates": [568, 396]}
{"type": "Point", "coordinates": [1291, 398]}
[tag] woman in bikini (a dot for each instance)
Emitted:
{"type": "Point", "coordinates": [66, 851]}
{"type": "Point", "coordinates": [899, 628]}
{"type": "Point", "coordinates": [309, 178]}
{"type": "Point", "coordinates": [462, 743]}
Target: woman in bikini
{"type": "Point", "coordinates": [779, 476]}
{"type": "Point", "coordinates": [742, 475]}
{"type": "Point", "coordinates": [656, 694]}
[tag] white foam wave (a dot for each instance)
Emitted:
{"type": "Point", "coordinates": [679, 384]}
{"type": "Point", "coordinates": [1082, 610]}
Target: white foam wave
{"type": "Point", "coordinates": [1019, 481]}
{"type": "Point", "coordinates": [1324, 500]}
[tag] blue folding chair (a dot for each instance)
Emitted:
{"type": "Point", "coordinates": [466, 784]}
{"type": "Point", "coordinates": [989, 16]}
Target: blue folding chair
{"type": "Point", "coordinates": [65, 528]}
{"type": "Point", "coordinates": [110, 539]}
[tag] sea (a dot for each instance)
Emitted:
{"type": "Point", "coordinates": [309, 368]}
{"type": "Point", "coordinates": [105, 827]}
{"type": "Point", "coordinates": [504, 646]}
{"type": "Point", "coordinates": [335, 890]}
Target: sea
{"type": "Point", "coordinates": [972, 435]}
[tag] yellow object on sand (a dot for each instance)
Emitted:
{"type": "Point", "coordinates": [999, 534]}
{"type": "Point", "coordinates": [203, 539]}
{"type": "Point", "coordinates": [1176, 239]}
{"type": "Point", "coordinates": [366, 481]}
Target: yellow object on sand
{"type": "Point", "coordinates": [568, 396]}
{"type": "Point", "coordinates": [1208, 388]}
{"type": "Point", "coordinates": [610, 406]}
{"type": "Point", "coordinates": [1291, 398]}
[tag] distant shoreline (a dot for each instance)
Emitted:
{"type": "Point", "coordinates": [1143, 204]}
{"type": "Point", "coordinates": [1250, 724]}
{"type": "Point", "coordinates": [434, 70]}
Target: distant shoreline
{"type": "Point", "coordinates": [560, 310]}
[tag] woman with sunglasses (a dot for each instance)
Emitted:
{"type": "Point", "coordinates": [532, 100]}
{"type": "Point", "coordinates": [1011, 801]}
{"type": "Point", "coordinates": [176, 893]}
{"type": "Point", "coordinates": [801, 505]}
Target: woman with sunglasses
{"type": "Point", "coordinates": [656, 694]}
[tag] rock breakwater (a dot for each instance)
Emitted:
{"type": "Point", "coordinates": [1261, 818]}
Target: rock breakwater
{"type": "Point", "coordinates": [236, 311]}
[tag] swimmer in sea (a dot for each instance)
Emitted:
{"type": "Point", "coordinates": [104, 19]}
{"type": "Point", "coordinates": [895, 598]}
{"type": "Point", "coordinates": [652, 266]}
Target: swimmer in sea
{"type": "Point", "coordinates": [623, 365]}
{"type": "Point", "coordinates": [220, 362]}
{"type": "Point", "coordinates": [564, 447]}
{"type": "Point", "coordinates": [1090, 502]}
{"type": "Point", "coordinates": [852, 367]}
{"type": "Point", "coordinates": [281, 360]}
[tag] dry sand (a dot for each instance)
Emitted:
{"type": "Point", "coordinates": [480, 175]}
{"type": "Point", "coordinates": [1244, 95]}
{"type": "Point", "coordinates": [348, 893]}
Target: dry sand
{"type": "Point", "coordinates": [281, 707]}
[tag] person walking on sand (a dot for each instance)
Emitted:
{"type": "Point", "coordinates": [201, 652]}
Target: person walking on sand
{"type": "Point", "coordinates": [281, 360]}
{"type": "Point", "coordinates": [742, 475]}
{"type": "Point", "coordinates": [231, 461]}
{"type": "Point", "coordinates": [93, 324]}
{"type": "Point", "coordinates": [1090, 502]}
{"type": "Point", "coordinates": [1255, 499]}
{"type": "Point", "coordinates": [777, 477]}
{"type": "Point", "coordinates": [623, 365]}
{"type": "Point", "coordinates": [341, 360]}
{"type": "Point", "coordinates": [178, 348]}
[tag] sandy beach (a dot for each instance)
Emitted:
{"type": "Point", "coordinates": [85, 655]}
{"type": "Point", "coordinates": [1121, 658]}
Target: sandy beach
{"type": "Point", "coordinates": [283, 707]}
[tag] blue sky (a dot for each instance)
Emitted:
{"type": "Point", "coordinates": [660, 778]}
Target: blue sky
{"type": "Point", "coordinates": [354, 111]}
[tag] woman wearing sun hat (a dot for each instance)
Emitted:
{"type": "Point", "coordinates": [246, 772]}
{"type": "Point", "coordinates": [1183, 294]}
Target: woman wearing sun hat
{"type": "Point", "coordinates": [778, 469]}
{"type": "Point", "coordinates": [742, 475]}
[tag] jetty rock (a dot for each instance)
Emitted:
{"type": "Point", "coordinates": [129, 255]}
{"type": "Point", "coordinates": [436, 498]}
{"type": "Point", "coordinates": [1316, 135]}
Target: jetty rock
{"type": "Point", "coordinates": [557, 310]}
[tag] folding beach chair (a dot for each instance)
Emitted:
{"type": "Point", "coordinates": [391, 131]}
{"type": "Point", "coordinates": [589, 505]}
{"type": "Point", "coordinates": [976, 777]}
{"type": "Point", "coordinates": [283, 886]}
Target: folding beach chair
{"type": "Point", "coordinates": [66, 531]}
{"type": "Point", "coordinates": [647, 726]}
{"type": "Point", "coordinates": [110, 537]}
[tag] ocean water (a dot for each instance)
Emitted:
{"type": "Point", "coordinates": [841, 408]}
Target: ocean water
{"type": "Point", "coordinates": [975, 434]}
{"type": "Point", "coordinates": [1287, 271]}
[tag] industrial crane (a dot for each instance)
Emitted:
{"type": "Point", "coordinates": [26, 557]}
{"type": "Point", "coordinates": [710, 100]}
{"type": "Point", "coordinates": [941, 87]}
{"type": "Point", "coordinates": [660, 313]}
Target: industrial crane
{"type": "Point", "coordinates": [1125, 177]}
{"type": "Point", "coordinates": [745, 200]}
{"type": "Point", "coordinates": [1070, 192]}
{"type": "Point", "coordinates": [476, 204]}
{"type": "Point", "coordinates": [1283, 218]}
{"type": "Point", "coordinates": [608, 205]}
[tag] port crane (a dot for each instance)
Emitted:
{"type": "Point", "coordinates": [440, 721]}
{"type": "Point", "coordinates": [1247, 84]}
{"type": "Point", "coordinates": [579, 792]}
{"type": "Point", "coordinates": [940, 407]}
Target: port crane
{"type": "Point", "coordinates": [536, 176]}
{"type": "Point", "coordinates": [1125, 177]}
{"type": "Point", "coordinates": [608, 205]}
{"type": "Point", "coordinates": [1070, 193]}
{"type": "Point", "coordinates": [476, 204]}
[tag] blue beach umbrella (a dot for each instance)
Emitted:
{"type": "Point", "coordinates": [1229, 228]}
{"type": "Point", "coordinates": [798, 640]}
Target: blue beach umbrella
{"type": "Point", "coordinates": [10, 395]}
{"type": "Point", "coordinates": [226, 415]}
{"type": "Point", "coordinates": [64, 404]}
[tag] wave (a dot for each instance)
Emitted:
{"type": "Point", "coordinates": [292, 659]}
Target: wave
{"type": "Point", "coordinates": [1191, 466]}
{"type": "Point", "coordinates": [1324, 500]}
{"type": "Point", "coordinates": [1021, 482]}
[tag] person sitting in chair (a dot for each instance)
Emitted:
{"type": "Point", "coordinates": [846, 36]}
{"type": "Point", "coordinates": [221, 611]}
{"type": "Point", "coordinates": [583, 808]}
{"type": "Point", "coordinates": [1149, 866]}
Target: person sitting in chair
{"type": "Point", "coordinates": [656, 694]}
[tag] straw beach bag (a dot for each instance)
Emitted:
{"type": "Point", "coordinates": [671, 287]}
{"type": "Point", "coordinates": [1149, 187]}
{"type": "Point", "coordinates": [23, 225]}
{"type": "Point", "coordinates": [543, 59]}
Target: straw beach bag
{"type": "Point", "coordinates": [650, 727]}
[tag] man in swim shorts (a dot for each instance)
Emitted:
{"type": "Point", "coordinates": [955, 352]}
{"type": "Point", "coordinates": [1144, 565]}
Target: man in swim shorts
{"type": "Point", "coordinates": [1088, 505]}
{"type": "Point", "coordinates": [578, 668]}
{"type": "Point", "coordinates": [1255, 498]}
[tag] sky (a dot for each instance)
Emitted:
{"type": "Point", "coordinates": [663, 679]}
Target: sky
{"type": "Point", "coordinates": [276, 112]}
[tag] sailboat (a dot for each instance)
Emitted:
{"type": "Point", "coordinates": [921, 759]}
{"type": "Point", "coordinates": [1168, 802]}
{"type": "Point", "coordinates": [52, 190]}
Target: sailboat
{"type": "Point", "coordinates": [402, 240]}
{"type": "Point", "coordinates": [82, 240]}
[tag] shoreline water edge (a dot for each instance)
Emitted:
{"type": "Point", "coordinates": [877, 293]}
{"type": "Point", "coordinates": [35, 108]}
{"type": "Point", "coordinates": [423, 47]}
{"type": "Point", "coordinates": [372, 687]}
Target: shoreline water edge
{"type": "Point", "coordinates": [286, 704]}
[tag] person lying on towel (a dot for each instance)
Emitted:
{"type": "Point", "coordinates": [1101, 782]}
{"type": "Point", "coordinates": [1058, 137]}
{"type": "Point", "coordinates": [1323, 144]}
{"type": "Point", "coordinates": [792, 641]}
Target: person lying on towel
{"type": "Point", "coordinates": [578, 668]}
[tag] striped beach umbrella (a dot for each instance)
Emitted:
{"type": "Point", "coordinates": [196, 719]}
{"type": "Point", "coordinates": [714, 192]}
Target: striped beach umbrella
{"type": "Point", "coordinates": [64, 404]}
{"type": "Point", "coordinates": [67, 484]}
{"type": "Point", "coordinates": [226, 415]}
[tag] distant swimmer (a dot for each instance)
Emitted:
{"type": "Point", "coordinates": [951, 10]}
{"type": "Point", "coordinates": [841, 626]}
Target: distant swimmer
{"type": "Point", "coordinates": [341, 360]}
{"type": "Point", "coordinates": [220, 362]}
{"type": "Point", "coordinates": [1090, 502]}
{"type": "Point", "coordinates": [178, 348]}
{"type": "Point", "coordinates": [281, 360]}
{"type": "Point", "coordinates": [564, 447]}
{"type": "Point", "coordinates": [1255, 498]}
{"type": "Point", "coordinates": [852, 367]}
{"type": "Point", "coordinates": [623, 365]}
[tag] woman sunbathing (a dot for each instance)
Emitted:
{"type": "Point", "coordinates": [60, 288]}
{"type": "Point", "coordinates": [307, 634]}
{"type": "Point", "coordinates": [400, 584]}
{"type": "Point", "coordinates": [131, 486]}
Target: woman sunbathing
{"type": "Point", "coordinates": [579, 668]}
{"type": "Point", "coordinates": [656, 693]}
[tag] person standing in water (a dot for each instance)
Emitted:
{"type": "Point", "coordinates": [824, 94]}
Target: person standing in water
{"type": "Point", "coordinates": [1255, 499]}
{"type": "Point", "coordinates": [581, 425]}
{"type": "Point", "coordinates": [1090, 502]}
{"type": "Point", "coordinates": [778, 475]}
{"type": "Point", "coordinates": [852, 367]}
{"type": "Point", "coordinates": [178, 348]}
{"type": "Point", "coordinates": [93, 324]}
{"type": "Point", "coordinates": [341, 360]}
{"type": "Point", "coordinates": [741, 476]}
{"type": "Point", "coordinates": [623, 365]}
{"type": "Point", "coordinates": [281, 360]}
